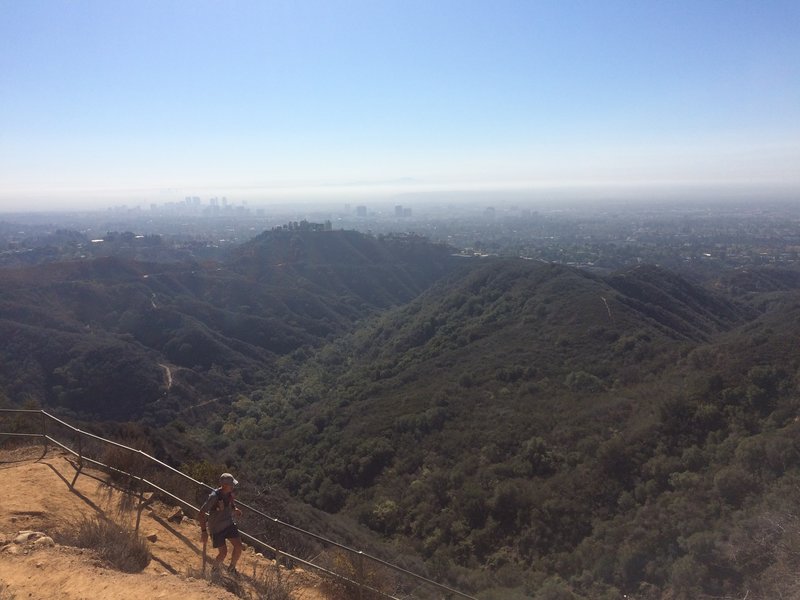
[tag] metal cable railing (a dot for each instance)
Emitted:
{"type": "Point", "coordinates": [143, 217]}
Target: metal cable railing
{"type": "Point", "coordinates": [366, 576]}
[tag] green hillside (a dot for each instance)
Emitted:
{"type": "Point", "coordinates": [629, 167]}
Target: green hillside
{"type": "Point", "coordinates": [97, 336]}
{"type": "Point", "coordinates": [529, 427]}
{"type": "Point", "coordinates": [526, 429]}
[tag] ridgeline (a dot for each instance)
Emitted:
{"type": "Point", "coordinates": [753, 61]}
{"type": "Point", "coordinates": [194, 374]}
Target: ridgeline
{"type": "Point", "coordinates": [528, 429]}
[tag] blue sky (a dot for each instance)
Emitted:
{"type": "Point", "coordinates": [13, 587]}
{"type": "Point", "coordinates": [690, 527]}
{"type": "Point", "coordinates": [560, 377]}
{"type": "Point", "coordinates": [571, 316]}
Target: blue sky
{"type": "Point", "coordinates": [104, 102]}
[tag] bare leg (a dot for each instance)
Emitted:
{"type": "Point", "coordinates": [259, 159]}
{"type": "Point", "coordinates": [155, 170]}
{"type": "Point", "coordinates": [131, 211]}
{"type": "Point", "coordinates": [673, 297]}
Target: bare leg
{"type": "Point", "coordinates": [237, 551]}
{"type": "Point", "coordinates": [223, 552]}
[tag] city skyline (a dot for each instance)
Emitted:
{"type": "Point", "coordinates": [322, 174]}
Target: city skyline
{"type": "Point", "coordinates": [145, 103]}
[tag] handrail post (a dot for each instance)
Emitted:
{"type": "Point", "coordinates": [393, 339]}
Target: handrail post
{"type": "Point", "coordinates": [140, 507]}
{"type": "Point", "coordinates": [44, 431]}
{"type": "Point", "coordinates": [80, 460]}
{"type": "Point", "coordinates": [360, 574]}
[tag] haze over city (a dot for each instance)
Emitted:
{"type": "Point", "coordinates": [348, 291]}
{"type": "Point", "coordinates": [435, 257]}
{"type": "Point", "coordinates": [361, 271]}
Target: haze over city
{"type": "Point", "coordinates": [139, 103]}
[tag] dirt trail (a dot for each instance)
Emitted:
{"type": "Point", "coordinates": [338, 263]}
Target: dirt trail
{"type": "Point", "coordinates": [38, 498]}
{"type": "Point", "coordinates": [167, 375]}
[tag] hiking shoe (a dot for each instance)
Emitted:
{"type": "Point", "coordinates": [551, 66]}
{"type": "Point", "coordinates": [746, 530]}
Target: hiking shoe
{"type": "Point", "coordinates": [233, 572]}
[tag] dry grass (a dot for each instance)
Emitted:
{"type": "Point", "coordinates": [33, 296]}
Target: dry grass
{"type": "Point", "coordinates": [121, 547]}
{"type": "Point", "coordinates": [271, 584]}
{"type": "Point", "coordinates": [129, 463]}
{"type": "Point", "coordinates": [359, 571]}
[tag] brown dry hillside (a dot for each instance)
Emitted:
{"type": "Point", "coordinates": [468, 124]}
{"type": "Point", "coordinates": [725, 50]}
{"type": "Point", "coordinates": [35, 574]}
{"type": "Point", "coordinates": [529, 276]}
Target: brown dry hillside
{"type": "Point", "coordinates": [37, 498]}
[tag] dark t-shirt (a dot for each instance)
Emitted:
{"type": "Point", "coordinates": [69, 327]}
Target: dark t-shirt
{"type": "Point", "coordinates": [220, 510]}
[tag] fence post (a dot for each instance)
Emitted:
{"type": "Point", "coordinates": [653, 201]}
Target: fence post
{"type": "Point", "coordinates": [140, 485]}
{"type": "Point", "coordinates": [80, 461]}
{"type": "Point", "coordinates": [44, 431]}
{"type": "Point", "coordinates": [140, 506]}
{"type": "Point", "coordinates": [360, 574]}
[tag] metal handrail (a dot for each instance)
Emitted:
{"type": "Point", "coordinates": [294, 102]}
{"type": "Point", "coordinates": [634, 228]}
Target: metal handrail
{"type": "Point", "coordinates": [358, 553]}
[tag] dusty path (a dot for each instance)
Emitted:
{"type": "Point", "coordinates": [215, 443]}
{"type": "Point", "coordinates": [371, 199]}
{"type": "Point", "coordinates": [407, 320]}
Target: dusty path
{"type": "Point", "coordinates": [39, 499]}
{"type": "Point", "coordinates": [167, 375]}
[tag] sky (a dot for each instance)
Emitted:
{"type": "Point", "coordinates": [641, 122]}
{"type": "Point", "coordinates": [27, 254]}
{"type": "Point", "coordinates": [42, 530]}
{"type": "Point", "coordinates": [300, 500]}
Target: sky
{"type": "Point", "coordinates": [113, 102]}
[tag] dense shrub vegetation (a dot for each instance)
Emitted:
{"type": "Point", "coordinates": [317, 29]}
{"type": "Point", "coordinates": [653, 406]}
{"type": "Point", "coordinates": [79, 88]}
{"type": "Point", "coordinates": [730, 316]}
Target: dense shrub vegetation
{"type": "Point", "coordinates": [528, 429]}
{"type": "Point", "coordinates": [512, 424]}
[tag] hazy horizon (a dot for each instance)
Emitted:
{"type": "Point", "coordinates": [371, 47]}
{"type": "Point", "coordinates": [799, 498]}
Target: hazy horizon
{"type": "Point", "coordinates": [423, 201]}
{"type": "Point", "coordinates": [272, 102]}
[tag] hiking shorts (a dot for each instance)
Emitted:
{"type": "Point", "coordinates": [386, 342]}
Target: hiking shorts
{"type": "Point", "coordinates": [230, 532]}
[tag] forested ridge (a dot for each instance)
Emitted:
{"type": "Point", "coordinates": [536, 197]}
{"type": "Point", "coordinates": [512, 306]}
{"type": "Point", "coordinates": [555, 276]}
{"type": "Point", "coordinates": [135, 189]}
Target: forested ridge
{"type": "Point", "coordinates": [528, 429]}
{"type": "Point", "coordinates": [85, 335]}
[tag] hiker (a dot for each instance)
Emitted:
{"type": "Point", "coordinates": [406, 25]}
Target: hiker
{"type": "Point", "coordinates": [221, 520]}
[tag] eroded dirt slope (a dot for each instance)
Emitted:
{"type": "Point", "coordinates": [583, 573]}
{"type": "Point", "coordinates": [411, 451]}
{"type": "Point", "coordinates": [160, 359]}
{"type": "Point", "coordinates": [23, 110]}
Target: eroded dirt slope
{"type": "Point", "coordinates": [37, 497]}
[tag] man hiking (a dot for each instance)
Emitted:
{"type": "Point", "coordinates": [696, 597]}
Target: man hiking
{"type": "Point", "coordinates": [221, 521]}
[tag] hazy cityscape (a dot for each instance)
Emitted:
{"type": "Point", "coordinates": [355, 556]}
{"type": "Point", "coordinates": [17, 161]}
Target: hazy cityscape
{"type": "Point", "coordinates": [706, 237]}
